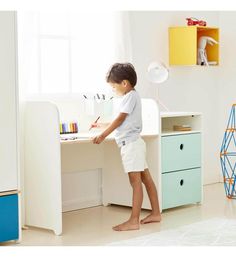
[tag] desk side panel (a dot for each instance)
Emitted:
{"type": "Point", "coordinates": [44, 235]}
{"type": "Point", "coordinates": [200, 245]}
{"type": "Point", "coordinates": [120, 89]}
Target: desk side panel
{"type": "Point", "coordinates": [43, 203]}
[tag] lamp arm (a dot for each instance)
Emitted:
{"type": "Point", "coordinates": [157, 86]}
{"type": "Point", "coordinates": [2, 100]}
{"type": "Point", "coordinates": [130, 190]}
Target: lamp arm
{"type": "Point", "coordinates": [161, 104]}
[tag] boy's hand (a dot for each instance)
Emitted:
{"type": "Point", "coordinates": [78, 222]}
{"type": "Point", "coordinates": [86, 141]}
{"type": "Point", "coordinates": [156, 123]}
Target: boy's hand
{"type": "Point", "coordinates": [99, 125]}
{"type": "Point", "coordinates": [115, 124]}
{"type": "Point", "coordinates": [95, 125]}
{"type": "Point", "coordinates": [98, 139]}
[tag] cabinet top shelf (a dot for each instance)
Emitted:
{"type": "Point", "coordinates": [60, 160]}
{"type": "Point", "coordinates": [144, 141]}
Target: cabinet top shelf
{"type": "Point", "coordinates": [178, 114]}
{"type": "Point", "coordinates": [174, 133]}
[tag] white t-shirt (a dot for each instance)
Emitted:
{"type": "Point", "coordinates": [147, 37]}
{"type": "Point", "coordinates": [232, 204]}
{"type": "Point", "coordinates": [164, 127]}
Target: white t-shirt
{"type": "Point", "coordinates": [130, 129]}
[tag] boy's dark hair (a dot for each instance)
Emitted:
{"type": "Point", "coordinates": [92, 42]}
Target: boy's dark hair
{"type": "Point", "coordinates": [122, 71]}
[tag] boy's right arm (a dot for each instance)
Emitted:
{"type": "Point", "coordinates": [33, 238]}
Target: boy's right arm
{"type": "Point", "coordinates": [115, 124]}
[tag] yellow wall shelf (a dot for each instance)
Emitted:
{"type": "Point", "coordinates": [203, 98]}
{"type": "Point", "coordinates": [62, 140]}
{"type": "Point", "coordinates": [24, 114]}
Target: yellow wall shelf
{"type": "Point", "coordinates": [183, 44]}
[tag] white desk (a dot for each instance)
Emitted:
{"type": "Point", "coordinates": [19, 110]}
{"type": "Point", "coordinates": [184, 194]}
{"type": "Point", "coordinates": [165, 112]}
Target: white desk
{"type": "Point", "coordinates": [45, 154]}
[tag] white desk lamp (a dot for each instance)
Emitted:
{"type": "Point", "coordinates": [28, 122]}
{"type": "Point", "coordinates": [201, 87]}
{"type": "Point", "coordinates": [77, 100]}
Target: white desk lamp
{"type": "Point", "coordinates": [157, 73]}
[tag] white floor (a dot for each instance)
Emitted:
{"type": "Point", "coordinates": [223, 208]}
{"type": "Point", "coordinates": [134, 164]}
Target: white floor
{"type": "Point", "coordinates": [210, 232]}
{"type": "Point", "coordinates": [93, 226]}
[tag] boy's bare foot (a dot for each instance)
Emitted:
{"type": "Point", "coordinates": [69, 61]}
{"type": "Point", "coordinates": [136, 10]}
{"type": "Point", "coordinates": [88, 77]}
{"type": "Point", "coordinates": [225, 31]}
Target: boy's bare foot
{"type": "Point", "coordinates": [151, 218]}
{"type": "Point", "coordinates": [128, 225]}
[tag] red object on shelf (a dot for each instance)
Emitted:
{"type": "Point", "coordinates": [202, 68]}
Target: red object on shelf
{"type": "Point", "coordinates": [194, 21]}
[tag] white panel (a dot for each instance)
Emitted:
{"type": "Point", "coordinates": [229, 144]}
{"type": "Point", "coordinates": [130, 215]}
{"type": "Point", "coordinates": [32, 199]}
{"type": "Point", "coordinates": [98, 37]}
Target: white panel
{"type": "Point", "coordinates": [150, 116]}
{"type": "Point", "coordinates": [8, 108]}
{"type": "Point", "coordinates": [43, 166]}
{"type": "Point", "coordinates": [81, 189]}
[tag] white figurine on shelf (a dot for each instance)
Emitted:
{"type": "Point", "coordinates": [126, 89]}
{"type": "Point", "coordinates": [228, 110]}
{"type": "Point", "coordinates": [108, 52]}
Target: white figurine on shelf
{"type": "Point", "coordinates": [202, 56]}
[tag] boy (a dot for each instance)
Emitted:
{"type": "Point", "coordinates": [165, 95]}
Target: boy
{"type": "Point", "coordinates": [128, 125]}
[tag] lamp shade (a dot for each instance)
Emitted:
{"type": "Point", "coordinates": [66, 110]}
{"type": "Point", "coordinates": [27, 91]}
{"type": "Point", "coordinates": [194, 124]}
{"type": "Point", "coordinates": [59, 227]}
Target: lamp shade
{"type": "Point", "coordinates": [157, 72]}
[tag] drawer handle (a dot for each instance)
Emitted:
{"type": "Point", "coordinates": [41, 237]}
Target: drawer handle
{"type": "Point", "coordinates": [181, 146]}
{"type": "Point", "coordinates": [181, 182]}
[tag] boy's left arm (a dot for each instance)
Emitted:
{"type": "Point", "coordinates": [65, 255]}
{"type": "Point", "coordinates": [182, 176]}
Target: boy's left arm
{"type": "Point", "coordinates": [115, 124]}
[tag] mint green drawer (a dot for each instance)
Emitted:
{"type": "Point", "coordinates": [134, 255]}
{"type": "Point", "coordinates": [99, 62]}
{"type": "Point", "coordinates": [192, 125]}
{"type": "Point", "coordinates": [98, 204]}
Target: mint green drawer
{"type": "Point", "coordinates": [181, 187]}
{"type": "Point", "coordinates": [181, 152]}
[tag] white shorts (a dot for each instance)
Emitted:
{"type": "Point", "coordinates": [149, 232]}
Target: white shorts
{"type": "Point", "coordinates": [134, 156]}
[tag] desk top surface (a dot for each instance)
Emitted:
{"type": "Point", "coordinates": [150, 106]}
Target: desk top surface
{"type": "Point", "coordinates": [87, 137]}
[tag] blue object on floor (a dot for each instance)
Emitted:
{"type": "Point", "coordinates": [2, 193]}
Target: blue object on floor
{"type": "Point", "coordinates": [9, 225]}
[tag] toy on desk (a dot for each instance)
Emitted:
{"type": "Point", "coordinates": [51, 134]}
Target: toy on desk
{"type": "Point", "coordinates": [193, 21]}
{"type": "Point", "coordinates": [202, 55]}
{"type": "Point", "coordinates": [228, 155]}
{"type": "Point", "coordinates": [67, 128]}
{"type": "Point", "coordinates": [94, 124]}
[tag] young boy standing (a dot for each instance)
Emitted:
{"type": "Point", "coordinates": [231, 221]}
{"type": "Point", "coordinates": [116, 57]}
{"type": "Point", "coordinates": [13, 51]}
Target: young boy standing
{"type": "Point", "coordinates": [128, 125]}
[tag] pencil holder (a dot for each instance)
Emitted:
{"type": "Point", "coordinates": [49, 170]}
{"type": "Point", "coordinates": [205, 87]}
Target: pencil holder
{"type": "Point", "coordinates": [89, 107]}
{"type": "Point", "coordinates": [96, 108]}
{"type": "Point", "coordinates": [108, 108]}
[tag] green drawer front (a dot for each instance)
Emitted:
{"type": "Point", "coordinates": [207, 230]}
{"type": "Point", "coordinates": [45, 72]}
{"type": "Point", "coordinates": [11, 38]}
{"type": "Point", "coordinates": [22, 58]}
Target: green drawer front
{"type": "Point", "coordinates": [181, 152]}
{"type": "Point", "coordinates": [181, 187]}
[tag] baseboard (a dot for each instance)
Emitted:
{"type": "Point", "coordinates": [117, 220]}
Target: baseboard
{"type": "Point", "coordinates": [212, 181]}
{"type": "Point", "coordinates": [77, 204]}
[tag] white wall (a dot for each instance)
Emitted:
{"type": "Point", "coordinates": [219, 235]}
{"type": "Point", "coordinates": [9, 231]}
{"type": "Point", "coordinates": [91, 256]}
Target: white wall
{"type": "Point", "coordinates": [188, 88]}
{"type": "Point", "coordinates": [227, 76]}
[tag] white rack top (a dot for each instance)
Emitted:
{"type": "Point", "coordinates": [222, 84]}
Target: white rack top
{"type": "Point", "coordinates": [172, 133]}
{"type": "Point", "coordinates": [178, 114]}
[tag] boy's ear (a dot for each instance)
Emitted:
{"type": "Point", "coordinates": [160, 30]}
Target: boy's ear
{"type": "Point", "coordinates": [125, 83]}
